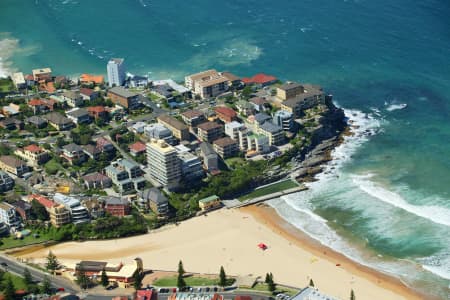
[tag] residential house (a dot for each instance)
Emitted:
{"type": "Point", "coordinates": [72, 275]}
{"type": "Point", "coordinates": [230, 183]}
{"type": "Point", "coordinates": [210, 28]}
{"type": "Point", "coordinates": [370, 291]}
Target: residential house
{"type": "Point", "coordinates": [78, 213]}
{"type": "Point", "coordinates": [209, 203]}
{"type": "Point", "coordinates": [98, 112]}
{"type": "Point", "coordinates": [209, 131]}
{"type": "Point", "coordinates": [92, 79]}
{"type": "Point", "coordinates": [11, 124]}
{"type": "Point", "coordinates": [58, 121]}
{"type": "Point", "coordinates": [105, 146]}
{"type": "Point", "coordinates": [137, 148]}
{"type": "Point", "coordinates": [258, 103]}
{"type": "Point", "coordinates": [8, 214]}
{"type": "Point", "coordinates": [6, 182]}
{"type": "Point", "coordinates": [179, 130]}
{"type": "Point", "coordinates": [36, 121]}
{"type": "Point", "coordinates": [73, 153]}
{"type": "Point", "coordinates": [79, 116]}
{"type": "Point", "coordinates": [260, 80]}
{"type": "Point", "coordinates": [210, 157]}
{"type": "Point", "coordinates": [72, 98]}
{"type": "Point", "coordinates": [163, 163]}
{"type": "Point", "coordinates": [124, 97]}
{"type": "Point", "coordinates": [154, 199]}
{"type": "Point", "coordinates": [193, 117]}
{"type": "Point", "coordinates": [207, 84]}
{"type": "Point", "coordinates": [245, 108]}
{"type": "Point", "coordinates": [126, 175]}
{"type": "Point", "coordinates": [13, 165]}
{"type": "Point", "coordinates": [225, 114]}
{"type": "Point", "coordinates": [11, 110]}
{"type": "Point", "coordinates": [92, 151]}
{"type": "Point", "coordinates": [274, 132]}
{"type": "Point", "coordinates": [19, 80]}
{"type": "Point", "coordinates": [34, 154]}
{"type": "Point", "coordinates": [41, 105]}
{"type": "Point", "coordinates": [44, 74]}
{"type": "Point", "coordinates": [117, 206]}
{"type": "Point", "coordinates": [97, 181]}
{"type": "Point", "coordinates": [88, 94]}
{"type": "Point", "coordinates": [159, 132]}
{"type": "Point", "coordinates": [226, 147]}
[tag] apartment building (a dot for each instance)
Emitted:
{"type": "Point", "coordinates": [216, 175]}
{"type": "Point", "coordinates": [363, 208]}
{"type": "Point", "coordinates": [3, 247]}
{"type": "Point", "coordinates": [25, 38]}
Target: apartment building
{"type": "Point", "coordinates": [274, 132]}
{"type": "Point", "coordinates": [123, 97]}
{"type": "Point", "coordinates": [8, 214]}
{"type": "Point", "coordinates": [126, 175]}
{"type": "Point", "coordinates": [163, 163]}
{"type": "Point", "coordinates": [13, 165]}
{"type": "Point", "coordinates": [178, 129]}
{"type": "Point", "coordinates": [6, 182]}
{"type": "Point", "coordinates": [58, 213]}
{"type": "Point", "coordinates": [209, 131]}
{"type": "Point", "coordinates": [78, 213]}
{"type": "Point", "coordinates": [160, 132]}
{"type": "Point", "coordinates": [207, 84]}
{"type": "Point", "coordinates": [289, 90]}
{"type": "Point", "coordinates": [154, 199]}
{"type": "Point", "coordinates": [284, 119]}
{"type": "Point", "coordinates": [193, 117]}
{"type": "Point", "coordinates": [116, 72]}
{"type": "Point", "coordinates": [33, 154]}
{"type": "Point", "coordinates": [226, 147]}
{"type": "Point", "coordinates": [232, 129]}
{"type": "Point", "coordinates": [311, 96]}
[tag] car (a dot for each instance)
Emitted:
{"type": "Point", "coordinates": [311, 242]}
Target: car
{"type": "Point", "coordinates": [110, 287]}
{"type": "Point", "coordinates": [3, 264]}
{"type": "Point", "coordinates": [200, 290]}
{"type": "Point", "coordinates": [60, 289]}
{"type": "Point", "coordinates": [215, 289]}
{"type": "Point", "coordinates": [207, 289]}
{"type": "Point", "coordinates": [174, 290]}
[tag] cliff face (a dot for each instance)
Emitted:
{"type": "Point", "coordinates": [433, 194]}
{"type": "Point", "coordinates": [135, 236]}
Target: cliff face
{"type": "Point", "coordinates": [331, 124]}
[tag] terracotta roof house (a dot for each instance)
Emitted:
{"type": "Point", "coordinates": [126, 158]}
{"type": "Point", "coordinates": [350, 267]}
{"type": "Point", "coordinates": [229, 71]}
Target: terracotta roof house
{"type": "Point", "coordinates": [34, 154]}
{"type": "Point", "coordinates": [91, 79]}
{"type": "Point", "coordinates": [137, 148]}
{"type": "Point", "coordinates": [41, 105]}
{"type": "Point", "coordinates": [225, 114]}
{"type": "Point", "coordinates": [97, 181]}
{"type": "Point", "coordinates": [105, 145]}
{"type": "Point", "coordinates": [88, 94]}
{"type": "Point", "coordinates": [260, 79]}
{"type": "Point", "coordinates": [97, 112]}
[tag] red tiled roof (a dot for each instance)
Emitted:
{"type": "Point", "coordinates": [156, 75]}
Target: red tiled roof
{"type": "Point", "coordinates": [42, 200]}
{"type": "Point", "coordinates": [260, 78]}
{"type": "Point", "coordinates": [138, 147]}
{"type": "Point", "coordinates": [33, 148]}
{"type": "Point", "coordinates": [97, 79]}
{"type": "Point", "coordinates": [239, 297]}
{"type": "Point", "coordinates": [29, 77]}
{"type": "Point", "coordinates": [144, 294]}
{"type": "Point", "coordinates": [226, 111]}
{"type": "Point", "coordinates": [35, 102]}
{"type": "Point", "coordinates": [97, 109]}
{"type": "Point", "coordinates": [86, 91]}
{"type": "Point", "coordinates": [102, 142]}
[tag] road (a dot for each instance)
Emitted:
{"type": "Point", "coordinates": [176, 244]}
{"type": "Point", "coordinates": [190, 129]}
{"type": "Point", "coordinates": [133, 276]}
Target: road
{"type": "Point", "coordinates": [18, 268]}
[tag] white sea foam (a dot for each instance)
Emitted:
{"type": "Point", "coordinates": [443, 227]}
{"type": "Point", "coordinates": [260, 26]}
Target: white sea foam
{"type": "Point", "coordinates": [7, 48]}
{"type": "Point", "coordinates": [435, 214]}
{"type": "Point", "coordinates": [393, 107]}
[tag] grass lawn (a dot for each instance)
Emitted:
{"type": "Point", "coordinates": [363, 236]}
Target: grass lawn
{"type": "Point", "coordinates": [234, 162]}
{"type": "Point", "coordinates": [10, 242]}
{"type": "Point", "coordinates": [52, 167]}
{"type": "Point", "coordinates": [6, 85]}
{"type": "Point", "coordinates": [17, 281]}
{"type": "Point", "coordinates": [273, 188]}
{"type": "Point", "coordinates": [190, 281]}
{"type": "Point", "coordinates": [262, 287]}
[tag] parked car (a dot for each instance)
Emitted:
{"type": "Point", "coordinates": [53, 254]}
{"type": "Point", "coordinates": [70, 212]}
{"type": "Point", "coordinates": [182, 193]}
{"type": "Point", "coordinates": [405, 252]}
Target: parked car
{"type": "Point", "coordinates": [207, 289]}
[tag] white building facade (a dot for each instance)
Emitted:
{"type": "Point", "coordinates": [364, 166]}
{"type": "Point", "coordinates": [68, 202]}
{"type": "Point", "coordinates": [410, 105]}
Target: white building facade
{"type": "Point", "coordinates": [116, 72]}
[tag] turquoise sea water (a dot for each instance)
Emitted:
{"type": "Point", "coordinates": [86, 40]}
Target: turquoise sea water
{"type": "Point", "coordinates": [386, 201]}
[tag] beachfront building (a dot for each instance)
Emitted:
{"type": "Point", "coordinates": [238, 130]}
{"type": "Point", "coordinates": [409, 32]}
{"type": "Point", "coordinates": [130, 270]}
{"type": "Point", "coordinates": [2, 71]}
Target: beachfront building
{"type": "Point", "coordinates": [117, 206]}
{"type": "Point", "coordinates": [289, 90]}
{"type": "Point", "coordinates": [6, 182]}
{"type": "Point", "coordinates": [260, 80]}
{"type": "Point", "coordinates": [116, 72]}
{"type": "Point", "coordinates": [284, 119]}
{"type": "Point", "coordinates": [209, 203]}
{"type": "Point", "coordinates": [44, 74]}
{"type": "Point", "coordinates": [126, 175]}
{"type": "Point", "coordinates": [123, 97]}
{"type": "Point", "coordinates": [58, 213]}
{"type": "Point", "coordinates": [78, 213]}
{"type": "Point", "coordinates": [154, 199]}
{"type": "Point", "coordinates": [310, 97]}
{"type": "Point", "coordinates": [191, 165]}
{"type": "Point", "coordinates": [274, 132]}
{"type": "Point", "coordinates": [13, 165]}
{"type": "Point", "coordinates": [163, 163]}
{"type": "Point", "coordinates": [159, 132]}
{"type": "Point", "coordinates": [34, 154]}
{"type": "Point", "coordinates": [18, 80]}
{"type": "Point", "coordinates": [210, 157]}
{"type": "Point", "coordinates": [207, 84]}
{"type": "Point", "coordinates": [178, 129]}
{"type": "Point", "coordinates": [209, 131]}
{"type": "Point", "coordinates": [311, 293]}
{"type": "Point", "coordinates": [226, 147]}
{"type": "Point", "coordinates": [90, 79]}
{"type": "Point", "coordinates": [8, 214]}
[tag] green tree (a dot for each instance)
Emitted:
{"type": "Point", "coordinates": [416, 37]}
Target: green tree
{"type": "Point", "coordinates": [311, 283]}
{"type": "Point", "coordinates": [267, 278]}
{"type": "Point", "coordinates": [271, 286]}
{"type": "Point", "coordinates": [180, 268]}
{"type": "Point", "coordinates": [10, 290]}
{"type": "Point", "coordinates": [46, 287]}
{"type": "Point", "coordinates": [222, 277]}
{"type": "Point", "coordinates": [137, 280]}
{"type": "Point", "coordinates": [180, 281]}
{"type": "Point", "coordinates": [104, 279]}
{"type": "Point", "coordinates": [27, 279]}
{"type": "Point", "coordinates": [352, 295]}
{"type": "Point", "coordinates": [38, 211]}
{"type": "Point", "coordinates": [82, 279]}
{"type": "Point", "coordinates": [52, 262]}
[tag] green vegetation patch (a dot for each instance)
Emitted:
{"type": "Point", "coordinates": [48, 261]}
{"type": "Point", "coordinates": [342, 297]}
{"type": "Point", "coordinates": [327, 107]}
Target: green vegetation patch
{"type": "Point", "coordinates": [6, 85]}
{"type": "Point", "coordinates": [273, 188]}
{"type": "Point", "coordinates": [171, 281]}
{"type": "Point", "coordinates": [10, 242]}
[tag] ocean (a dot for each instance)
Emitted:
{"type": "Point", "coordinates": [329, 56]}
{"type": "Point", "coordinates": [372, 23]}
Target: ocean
{"type": "Point", "coordinates": [385, 200]}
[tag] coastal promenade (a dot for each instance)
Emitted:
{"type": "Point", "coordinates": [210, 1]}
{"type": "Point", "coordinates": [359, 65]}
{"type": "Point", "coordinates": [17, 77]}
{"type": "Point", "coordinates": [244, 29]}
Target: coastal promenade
{"type": "Point", "coordinates": [237, 204]}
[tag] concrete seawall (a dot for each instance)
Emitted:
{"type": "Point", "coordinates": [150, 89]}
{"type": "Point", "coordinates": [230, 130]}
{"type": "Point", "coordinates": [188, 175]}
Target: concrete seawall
{"type": "Point", "coordinates": [271, 196]}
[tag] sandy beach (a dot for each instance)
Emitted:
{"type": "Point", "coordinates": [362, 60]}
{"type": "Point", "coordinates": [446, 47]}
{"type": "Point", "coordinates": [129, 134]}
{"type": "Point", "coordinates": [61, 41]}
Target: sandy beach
{"type": "Point", "coordinates": [230, 238]}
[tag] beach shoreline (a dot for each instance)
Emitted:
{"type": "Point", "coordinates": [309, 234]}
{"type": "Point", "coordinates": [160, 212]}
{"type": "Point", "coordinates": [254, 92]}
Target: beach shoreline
{"type": "Point", "coordinates": [268, 216]}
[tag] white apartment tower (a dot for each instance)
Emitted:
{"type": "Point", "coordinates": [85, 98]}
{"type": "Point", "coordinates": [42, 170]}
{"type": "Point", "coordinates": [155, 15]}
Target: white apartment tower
{"type": "Point", "coordinates": [163, 163]}
{"type": "Point", "coordinates": [116, 72]}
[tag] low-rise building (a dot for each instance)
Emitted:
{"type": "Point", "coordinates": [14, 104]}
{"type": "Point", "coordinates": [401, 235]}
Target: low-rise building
{"type": "Point", "coordinates": [210, 157]}
{"type": "Point", "coordinates": [209, 203]}
{"type": "Point", "coordinates": [58, 121]}
{"type": "Point", "coordinates": [98, 112]}
{"type": "Point", "coordinates": [78, 213]}
{"type": "Point", "coordinates": [58, 213]}
{"type": "Point", "coordinates": [34, 154]}
{"type": "Point", "coordinates": [97, 181]}
{"type": "Point", "coordinates": [225, 114]}
{"type": "Point", "coordinates": [73, 153]}
{"type": "Point", "coordinates": [13, 165]}
{"type": "Point", "coordinates": [23, 209]}
{"type": "Point", "coordinates": [92, 79]}
{"type": "Point", "coordinates": [117, 206]}
{"type": "Point", "coordinates": [274, 132]}
{"type": "Point", "coordinates": [72, 98]}
{"type": "Point", "coordinates": [11, 110]}
{"type": "Point", "coordinates": [207, 84]}
{"type": "Point", "coordinates": [245, 108]}
{"type": "Point", "coordinates": [226, 147]}
{"type": "Point", "coordinates": [159, 132]}
{"type": "Point", "coordinates": [284, 119]}
{"type": "Point", "coordinates": [260, 80]}
{"type": "Point", "coordinates": [137, 148]}
{"type": "Point", "coordinates": [311, 293]}
{"type": "Point", "coordinates": [257, 143]}
{"type": "Point", "coordinates": [193, 117]}
{"type": "Point", "coordinates": [79, 116]}
{"type": "Point", "coordinates": [18, 80]}
{"type": "Point", "coordinates": [232, 129]}
{"type": "Point", "coordinates": [289, 90]}
{"type": "Point", "coordinates": [178, 129]}
{"type": "Point", "coordinates": [8, 214]}
{"type": "Point", "coordinates": [44, 74]}
{"type": "Point", "coordinates": [11, 124]}
{"type": "Point", "coordinates": [126, 175]}
{"type": "Point", "coordinates": [41, 105]}
{"type": "Point", "coordinates": [6, 182]}
{"type": "Point", "coordinates": [259, 103]}
{"type": "Point", "coordinates": [311, 96]}
{"type": "Point", "coordinates": [88, 94]}
{"type": "Point", "coordinates": [124, 97]}
{"type": "Point", "coordinates": [154, 199]}
{"type": "Point", "coordinates": [36, 121]}
{"type": "Point", "coordinates": [209, 131]}
{"type": "Point", "coordinates": [105, 146]}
